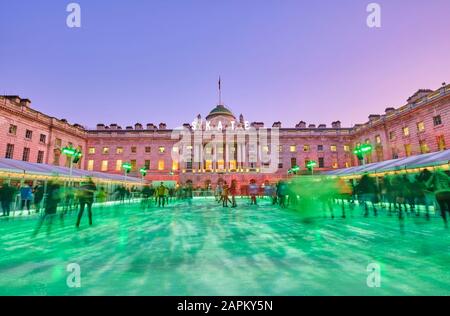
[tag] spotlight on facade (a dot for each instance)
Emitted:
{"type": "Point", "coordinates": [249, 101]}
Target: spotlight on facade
{"type": "Point", "coordinates": [143, 171]}
{"type": "Point", "coordinates": [126, 166]}
{"type": "Point", "coordinates": [362, 150]}
{"type": "Point", "coordinates": [310, 165]}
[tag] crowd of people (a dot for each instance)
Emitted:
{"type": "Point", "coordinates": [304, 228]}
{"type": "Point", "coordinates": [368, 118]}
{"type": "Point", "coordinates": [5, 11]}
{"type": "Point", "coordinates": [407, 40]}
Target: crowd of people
{"type": "Point", "coordinates": [411, 194]}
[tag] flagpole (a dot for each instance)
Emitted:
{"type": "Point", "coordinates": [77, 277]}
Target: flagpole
{"type": "Point", "coordinates": [220, 92]}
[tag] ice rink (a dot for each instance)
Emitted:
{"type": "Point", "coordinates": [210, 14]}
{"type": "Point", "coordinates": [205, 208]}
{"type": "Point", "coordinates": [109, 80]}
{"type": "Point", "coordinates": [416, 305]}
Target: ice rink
{"type": "Point", "coordinates": [208, 250]}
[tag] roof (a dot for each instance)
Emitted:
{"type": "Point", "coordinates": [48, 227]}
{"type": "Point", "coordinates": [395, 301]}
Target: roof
{"type": "Point", "coordinates": [419, 161]}
{"type": "Point", "coordinates": [29, 168]}
{"type": "Point", "coordinates": [220, 110]}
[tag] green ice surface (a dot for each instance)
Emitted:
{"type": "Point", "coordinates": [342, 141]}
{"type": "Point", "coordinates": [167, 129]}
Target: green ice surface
{"type": "Point", "coordinates": [208, 250]}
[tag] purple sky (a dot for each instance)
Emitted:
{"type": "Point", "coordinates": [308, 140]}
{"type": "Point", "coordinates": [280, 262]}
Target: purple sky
{"type": "Point", "coordinates": [159, 61]}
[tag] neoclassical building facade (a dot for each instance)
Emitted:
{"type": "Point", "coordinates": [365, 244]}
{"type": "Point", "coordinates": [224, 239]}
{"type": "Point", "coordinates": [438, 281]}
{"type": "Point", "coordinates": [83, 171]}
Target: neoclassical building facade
{"type": "Point", "coordinates": [223, 146]}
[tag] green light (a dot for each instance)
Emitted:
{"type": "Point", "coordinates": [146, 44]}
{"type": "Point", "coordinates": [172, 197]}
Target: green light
{"type": "Point", "coordinates": [311, 164]}
{"type": "Point", "coordinates": [69, 151]}
{"type": "Point", "coordinates": [362, 150]}
{"type": "Point", "coordinates": [143, 171]}
{"type": "Point", "coordinates": [127, 166]}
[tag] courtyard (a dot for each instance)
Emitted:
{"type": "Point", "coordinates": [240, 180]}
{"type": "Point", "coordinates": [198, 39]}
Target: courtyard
{"type": "Point", "coordinates": [205, 249]}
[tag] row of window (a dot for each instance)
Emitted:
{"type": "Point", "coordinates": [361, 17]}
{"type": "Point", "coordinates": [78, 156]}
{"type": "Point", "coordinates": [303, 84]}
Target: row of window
{"type": "Point", "coordinates": [133, 150]}
{"type": "Point", "coordinates": [320, 148]}
{"type": "Point", "coordinates": [320, 163]}
{"type": "Point", "coordinates": [162, 149]}
{"type": "Point", "coordinates": [25, 154]}
{"type": "Point", "coordinates": [105, 165]}
{"type": "Point", "coordinates": [28, 134]}
{"type": "Point", "coordinates": [420, 127]}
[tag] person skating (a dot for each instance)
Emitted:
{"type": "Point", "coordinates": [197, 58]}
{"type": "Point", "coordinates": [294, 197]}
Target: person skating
{"type": "Point", "coordinates": [7, 194]}
{"type": "Point", "coordinates": [439, 183]}
{"type": "Point", "coordinates": [87, 192]}
{"type": "Point", "coordinates": [233, 192]}
{"type": "Point", "coordinates": [51, 206]}
{"type": "Point", "coordinates": [38, 196]}
{"type": "Point", "coordinates": [253, 191]}
{"type": "Point", "coordinates": [225, 193]}
{"type": "Point", "coordinates": [160, 193]}
{"type": "Point", "coordinates": [26, 195]}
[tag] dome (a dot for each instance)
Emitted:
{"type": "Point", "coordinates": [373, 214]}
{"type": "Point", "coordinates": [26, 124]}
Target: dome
{"type": "Point", "coordinates": [220, 110]}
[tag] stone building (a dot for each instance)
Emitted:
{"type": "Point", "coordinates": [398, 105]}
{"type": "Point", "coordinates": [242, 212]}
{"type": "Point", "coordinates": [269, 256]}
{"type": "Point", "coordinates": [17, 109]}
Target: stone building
{"type": "Point", "coordinates": [421, 125]}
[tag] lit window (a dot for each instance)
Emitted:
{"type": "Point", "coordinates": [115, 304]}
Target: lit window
{"type": "Point", "coordinates": [133, 165]}
{"type": "Point", "coordinates": [406, 131]}
{"type": "Point", "coordinates": [161, 165]}
{"type": "Point", "coordinates": [424, 149]}
{"type": "Point", "coordinates": [280, 148]}
{"type": "Point", "coordinates": [161, 149]}
{"type": "Point", "coordinates": [378, 139]}
{"type": "Point", "coordinates": [91, 150]}
{"type": "Point", "coordinates": [408, 150]}
{"type": "Point", "coordinates": [306, 148]}
{"type": "Point", "coordinates": [105, 165]}
{"type": "Point", "coordinates": [208, 164]}
{"type": "Point", "coordinates": [335, 165]}
{"type": "Point", "coordinates": [105, 150]}
{"type": "Point", "coordinates": [174, 165]}
{"type": "Point", "coordinates": [175, 149]}
{"type": "Point", "coordinates": [233, 164]}
{"type": "Point", "coordinates": [265, 149]}
{"type": "Point", "coordinates": [90, 165]}
{"type": "Point", "coordinates": [221, 164]}
{"type": "Point", "coordinates": [118, 165]}
{"type": "Point", "coordinates": [333, 148]}
{"type": "Point", "coordinates": [421, 127]}
{"type": "Point", "coordinates": [346, 148]}
{"type": "Point", "coordinates": [293, 149]}
{"type": "Point", "coordinates": [441, 142]}
{"type": "Point", "coordinates": [119, 150]}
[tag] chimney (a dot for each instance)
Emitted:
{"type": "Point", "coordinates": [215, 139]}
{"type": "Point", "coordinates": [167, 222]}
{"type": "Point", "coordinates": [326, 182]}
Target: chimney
{"type": "Point", "coordinates": [374, 117]}
{"type": "Point", "coordinates": [162, 125]}
{"type": "Point", "coordinates": [138, 126]}
{"type": "Point", "coordinates": [390, 111]}
{"type": "Point", "coordinates": [322, 126]}
{"type": "Point", "coordinates": [25, 102]}
{"type": "Point", "coordinates": [113, 126]}
{"type": "Point", "coordinates": [151, 126]}
{"type": "Point", "coordinates": [312, 126]}
{"type": "Point", "coordinates": [100, 127]}
{"type": "Point", "coordinates": [301, 125]}
{"type": "Point", "coordinates": [336, 124]}
{"type": "Point", "coordinates": [129, 128]}
{"type": "Point", "coordinates": [277, 124]}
